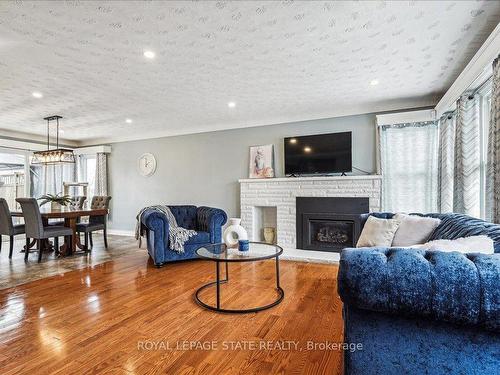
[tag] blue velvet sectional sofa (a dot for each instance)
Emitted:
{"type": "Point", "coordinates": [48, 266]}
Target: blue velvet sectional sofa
{"type": "Point", "coordinates": [206, 221]}
{"type": "Point", "coordinates": [423, 312]}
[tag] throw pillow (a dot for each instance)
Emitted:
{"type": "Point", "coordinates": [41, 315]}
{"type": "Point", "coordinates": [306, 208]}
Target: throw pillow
{"type": "Point", "coordinates": [413, 230]}
{"type": "Point", "coordinates": [378, 232]}
{"type": "Point", "coordinates": [472, 244]}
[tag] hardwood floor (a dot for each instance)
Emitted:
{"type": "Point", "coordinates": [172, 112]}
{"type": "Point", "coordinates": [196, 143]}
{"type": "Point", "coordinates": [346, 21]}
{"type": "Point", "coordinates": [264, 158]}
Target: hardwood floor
{"type": "Point", "coordinates": [16, 271]}
{"type": "Point", "coordinates": [127, 317]}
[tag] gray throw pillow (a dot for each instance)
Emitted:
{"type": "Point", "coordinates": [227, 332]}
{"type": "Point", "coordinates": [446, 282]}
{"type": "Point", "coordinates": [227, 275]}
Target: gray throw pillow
{"type": "Point", "coordinates": [378, 232]}
{"type": "Point", "coordinates": [413, 229]}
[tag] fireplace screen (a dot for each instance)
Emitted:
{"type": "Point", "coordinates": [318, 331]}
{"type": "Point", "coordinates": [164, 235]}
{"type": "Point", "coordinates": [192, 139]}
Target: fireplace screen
{"type": "Point", "coordinates": [331, 234]}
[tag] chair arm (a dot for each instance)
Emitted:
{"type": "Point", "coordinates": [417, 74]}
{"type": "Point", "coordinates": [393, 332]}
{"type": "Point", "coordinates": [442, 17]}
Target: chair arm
{"type": "Point", "coordinates": [447, 286]}
{"type": "Point", "coordinates": [155, 221]}
{"type": "Point", "coordinates": [211, 220]}
{"type": "Point", "coordinates": [157, 227]}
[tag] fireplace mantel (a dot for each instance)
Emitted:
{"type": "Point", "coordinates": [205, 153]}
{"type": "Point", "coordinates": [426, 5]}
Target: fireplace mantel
{"type": "Point", "coordinates": [312, 178]}
{"type": "Point", "coordinates": [279, 195]}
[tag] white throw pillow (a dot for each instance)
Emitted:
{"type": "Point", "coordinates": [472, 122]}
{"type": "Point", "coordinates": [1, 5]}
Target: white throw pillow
{"type": "Point", "coordinates": [473, 244]}
{"type": "Point", "coordinates": [413, 229]}
{"type": "Point", "coordinates": [378, 232]}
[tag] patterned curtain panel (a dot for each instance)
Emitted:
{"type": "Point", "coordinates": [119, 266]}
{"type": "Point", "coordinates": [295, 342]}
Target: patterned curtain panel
{"type": "Point", "coordinates": [101, 175]}
{"type": "Point", "coordinates": [446, 162]}
{"type": "Point", "coordinates": [467, 174]}
{"type": "Point", "coordinates": [408, 156]}
{"type": "Point", "coordinates": [493, 167]}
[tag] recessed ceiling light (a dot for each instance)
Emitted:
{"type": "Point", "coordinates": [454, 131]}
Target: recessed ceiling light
{"type": "Point", "coordinates": [231, 104]}
{"type": "Point", "coordinates": [307, 149]}
{"type": "Point", "coordinates": [37, 94]}
{"type": "Point", "coordinates": [128, 120]}
{"type": "Point", "coordinates": [149, 54]}
{"type": "Point", "coordinates": [374, 82]}
{"type": "Point", "coordinates": [293, 140]}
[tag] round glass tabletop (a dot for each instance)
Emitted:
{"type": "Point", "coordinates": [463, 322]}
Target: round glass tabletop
{"type": "Point", "coordinates": [219, 252]}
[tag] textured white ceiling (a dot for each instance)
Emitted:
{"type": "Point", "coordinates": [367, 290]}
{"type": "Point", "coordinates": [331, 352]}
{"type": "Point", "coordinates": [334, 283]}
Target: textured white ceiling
{"type": "Point", "coordinates": [279, 61]}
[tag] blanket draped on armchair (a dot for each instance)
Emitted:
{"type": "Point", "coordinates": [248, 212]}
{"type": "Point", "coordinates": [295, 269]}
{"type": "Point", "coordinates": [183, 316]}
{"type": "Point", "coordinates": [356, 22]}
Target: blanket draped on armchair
{"type": "Point", "coordinates": [177, 235]}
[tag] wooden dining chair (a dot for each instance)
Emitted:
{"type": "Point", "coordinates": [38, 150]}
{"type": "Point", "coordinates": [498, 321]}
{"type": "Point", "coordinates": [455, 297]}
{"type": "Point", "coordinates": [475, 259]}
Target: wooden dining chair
{"type": "Point", "coordinates": [7, 227]}
{"type": "Point", "coordinates": [95, 222]}
{"type": "Point", "coordinates": [35, 229]}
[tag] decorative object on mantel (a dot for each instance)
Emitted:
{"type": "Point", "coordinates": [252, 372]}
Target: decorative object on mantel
{"type": "Point", "coordinates": [234, 233]}
{"type": "Point", "coordinates": [56, 201]}
{"type": "Point", "coordinates": [261, 161]}
{"type": "Point", "coordinates": [269, 233]}
{"type": "Point", "coordinates": [54, 156]}
{"type": "Point", "coordinates": [147, 164]}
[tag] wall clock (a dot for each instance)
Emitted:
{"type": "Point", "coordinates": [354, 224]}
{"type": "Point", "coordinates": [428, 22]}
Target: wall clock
{"type": "Point", "coordinates": [147, 164]}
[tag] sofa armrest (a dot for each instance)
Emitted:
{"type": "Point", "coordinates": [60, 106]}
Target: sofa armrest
{"type": "Point", "coordinates": [211, 220]}
{"type": "Point", "coordinates": [447, 286]}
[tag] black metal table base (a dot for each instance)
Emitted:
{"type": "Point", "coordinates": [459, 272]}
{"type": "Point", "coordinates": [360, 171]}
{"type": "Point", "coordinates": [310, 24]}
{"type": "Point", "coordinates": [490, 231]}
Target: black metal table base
{"type": "Point", "coordinates": [218, 282]}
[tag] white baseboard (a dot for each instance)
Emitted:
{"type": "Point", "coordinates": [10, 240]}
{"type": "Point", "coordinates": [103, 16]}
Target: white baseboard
{"type": "Point", "coordinates": [118, 232]}
{"type": "Point", "coordinates": [310, 256]}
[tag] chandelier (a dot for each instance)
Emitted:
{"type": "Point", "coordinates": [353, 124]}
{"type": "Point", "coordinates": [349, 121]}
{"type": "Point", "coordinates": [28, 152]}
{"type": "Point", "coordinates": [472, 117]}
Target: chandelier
{"type": "Point", "coordinates": [54, 156]}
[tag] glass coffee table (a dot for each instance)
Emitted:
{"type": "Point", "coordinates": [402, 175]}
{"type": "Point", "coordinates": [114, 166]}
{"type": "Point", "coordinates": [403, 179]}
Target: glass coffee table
{"type": "Point", "coordinates": [220, 253]}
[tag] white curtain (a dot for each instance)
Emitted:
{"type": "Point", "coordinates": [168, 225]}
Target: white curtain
{"type": "Point", "coordinates": [101, 175]}
{"type": "Point", "coordinates": [493, 163]}
{"type": "Point", "coordinates": [467, 171]}
{"type": "Point", "coordinates": [446, 162]}
{"type": "Point", "coordinates": [48, 179]}
{"type": "Point", "coordinates": [408, 156]}
{"type": "Point", "coordinates": [80, 168]}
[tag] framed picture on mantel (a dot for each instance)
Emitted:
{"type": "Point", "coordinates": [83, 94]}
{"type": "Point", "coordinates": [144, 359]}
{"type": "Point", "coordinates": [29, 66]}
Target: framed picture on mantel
{"type": "Point", "coordinates": [261, 161]}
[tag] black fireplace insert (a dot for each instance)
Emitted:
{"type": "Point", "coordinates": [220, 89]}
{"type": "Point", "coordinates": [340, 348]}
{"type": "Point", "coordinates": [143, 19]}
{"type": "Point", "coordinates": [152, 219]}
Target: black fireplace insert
{"type": "Point", "coordinates": [329, 223]}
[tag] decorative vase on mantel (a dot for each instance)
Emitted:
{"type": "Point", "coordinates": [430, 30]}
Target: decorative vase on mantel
{"type": "Point", "coordinates": [234, 232]}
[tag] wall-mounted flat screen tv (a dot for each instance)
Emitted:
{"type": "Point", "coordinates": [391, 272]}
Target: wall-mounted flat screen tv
{"type": "Point", "coordinates": [318, 154]}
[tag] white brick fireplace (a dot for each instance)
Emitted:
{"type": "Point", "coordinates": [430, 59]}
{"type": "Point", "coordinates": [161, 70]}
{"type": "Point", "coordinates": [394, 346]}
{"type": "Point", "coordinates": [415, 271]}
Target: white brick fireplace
{"type": "Point", "coordinates": [271, 202]}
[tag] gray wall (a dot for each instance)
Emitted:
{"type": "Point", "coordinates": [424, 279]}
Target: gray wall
{"type": "Point", "coordinates": [203, 169]}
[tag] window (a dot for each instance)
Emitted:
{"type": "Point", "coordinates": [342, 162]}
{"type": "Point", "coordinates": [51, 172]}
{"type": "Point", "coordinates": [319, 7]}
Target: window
{"type": "Point", "coordinates": [13, 183]}
{"type": "Point", "coordinates": [88, 165]}
{"type": "Point", "coordinates": [409, 167]}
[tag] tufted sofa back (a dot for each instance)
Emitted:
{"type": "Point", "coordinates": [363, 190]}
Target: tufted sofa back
{"type": "Point", "coordinates": [453, 226]}
{"type": "Point", "coordinates": [185, 216]}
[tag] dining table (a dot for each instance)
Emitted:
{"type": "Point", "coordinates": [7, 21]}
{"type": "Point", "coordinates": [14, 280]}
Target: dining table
{"type": "Point", "coordinates": [71, 216]}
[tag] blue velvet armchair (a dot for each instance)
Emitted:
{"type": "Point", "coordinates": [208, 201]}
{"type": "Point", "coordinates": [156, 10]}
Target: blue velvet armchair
{"type": "Point", "coordinates": [206, 221]}
{"type": "Point", "coordinates": [423, 312]}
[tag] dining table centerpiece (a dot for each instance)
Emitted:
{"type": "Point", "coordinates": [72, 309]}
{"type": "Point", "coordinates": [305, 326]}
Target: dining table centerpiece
{"type": "Point", "coordinates": [56, 200]}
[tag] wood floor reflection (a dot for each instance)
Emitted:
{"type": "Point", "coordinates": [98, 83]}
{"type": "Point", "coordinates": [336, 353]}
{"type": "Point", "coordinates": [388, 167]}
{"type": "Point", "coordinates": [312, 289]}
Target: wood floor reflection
{"type": "Point", "coordinates": [127, 317]}
{"type": "Point", "coordinates": [16, 271]}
